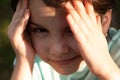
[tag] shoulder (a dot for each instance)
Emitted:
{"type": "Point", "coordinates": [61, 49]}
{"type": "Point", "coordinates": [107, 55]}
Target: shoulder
{"type": "Point", "coordinates": [114, 39]}
{"type": "Point", "coordinates": [114, 45]}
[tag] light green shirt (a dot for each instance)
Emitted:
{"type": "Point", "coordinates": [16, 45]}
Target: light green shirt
{"type": "Point", "coordinates": [43, 71]}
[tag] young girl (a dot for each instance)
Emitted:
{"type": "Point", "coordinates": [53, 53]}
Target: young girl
{"type": "Point", "coordinates": [68, 36]}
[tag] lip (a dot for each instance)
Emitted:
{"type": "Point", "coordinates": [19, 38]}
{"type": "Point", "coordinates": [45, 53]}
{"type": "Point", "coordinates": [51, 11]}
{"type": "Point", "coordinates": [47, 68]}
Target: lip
{"type": "Point", "coordinates": [67, 61]}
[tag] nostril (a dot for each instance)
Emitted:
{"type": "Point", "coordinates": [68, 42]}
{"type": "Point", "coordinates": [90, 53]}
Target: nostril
{"type": "Point", "coordinates": [59, 48]}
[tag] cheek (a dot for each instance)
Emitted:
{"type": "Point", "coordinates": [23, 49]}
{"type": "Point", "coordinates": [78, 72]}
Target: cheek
{"type": "Point", "coordinates": [73, 44]}
{"type": "Point", "coordinates": [40, 46]}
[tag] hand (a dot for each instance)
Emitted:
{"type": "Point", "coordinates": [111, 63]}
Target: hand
{"type": "Point", "coordinates": [19, 39]}
{"type": "Point", "coordinates": [16, 31]}
{"type": "Point", "coordinates": [87, 29]}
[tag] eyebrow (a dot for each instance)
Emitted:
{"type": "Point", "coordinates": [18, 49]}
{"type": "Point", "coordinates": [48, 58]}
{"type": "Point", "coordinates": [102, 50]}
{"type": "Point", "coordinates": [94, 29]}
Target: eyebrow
{"type": "Point", "coordinates": [34, 23]}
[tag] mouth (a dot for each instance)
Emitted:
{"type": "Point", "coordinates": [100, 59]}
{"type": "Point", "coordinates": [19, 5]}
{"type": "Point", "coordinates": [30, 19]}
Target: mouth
{"type": "Point", "coordinates": [66, 61]}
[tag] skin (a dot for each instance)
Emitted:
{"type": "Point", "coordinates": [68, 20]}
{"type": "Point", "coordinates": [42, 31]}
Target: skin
{"type": "Point", "coordinates": [62, 37]}
{"type": "Point", "coordinates": [55, 44]}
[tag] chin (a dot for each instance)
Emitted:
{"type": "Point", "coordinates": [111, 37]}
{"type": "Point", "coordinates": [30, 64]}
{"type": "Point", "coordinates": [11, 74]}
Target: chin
{"type": "Point", "coordinates": [67, 70]}
{"type": "Point", "coordinates": [70, 68]}
{"type": "Point", "coordinates": [67, 73]}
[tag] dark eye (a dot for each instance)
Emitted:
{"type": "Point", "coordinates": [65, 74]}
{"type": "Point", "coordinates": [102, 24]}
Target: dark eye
{"type": "Point", "coordinates": [69, 30]}
{"type": "Point", "coordinates": [40, 30]}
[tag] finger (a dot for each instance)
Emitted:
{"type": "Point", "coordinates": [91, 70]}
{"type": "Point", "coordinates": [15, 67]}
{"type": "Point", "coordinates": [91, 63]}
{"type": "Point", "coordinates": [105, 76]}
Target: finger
{"type": "Point", "coordinates": [23, 22]}
{"type": "Point", "coordinates": [78, 33]}
{"type": "Point", "coordinates": [26, 12]}
{"type": "Point", "coordinates": [90, 11]}
{"type": "Point", "coordinates": [94, 17]}
{"type": "Point", "coordinates": [74, 14]}
{"type": "Point", "coordinates": [98, 18]}
{"type": "Point", "coordinates": [19, 5]}
{"type": "Point", "coordinates": [20, 13]}
{"type": "Point", "coordinates": [80, 24]}
{"type": "Point", "coordinates": [18, 25]}
{"type": "Point", "coordinates": [22, 6]}
{"type": "Point", "coordinates": [81, 10]}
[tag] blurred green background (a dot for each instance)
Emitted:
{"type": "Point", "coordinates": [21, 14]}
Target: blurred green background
{"type": "Point", "coordinates": [6, 51]}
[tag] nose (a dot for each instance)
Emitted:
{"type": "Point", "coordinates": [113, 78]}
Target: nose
{"type": "Point", "coordinates": [58, 47]}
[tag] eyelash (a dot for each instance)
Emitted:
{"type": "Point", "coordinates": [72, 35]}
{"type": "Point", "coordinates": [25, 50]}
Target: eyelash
{"type": "Point", "coordinates": [39, 30]}
{"type": "Point", "coordinates": [43, 30]}
{"type": "Point", "coordinates": [69, 30]}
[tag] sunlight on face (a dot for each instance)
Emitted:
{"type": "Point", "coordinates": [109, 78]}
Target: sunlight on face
{"type": "Point", "coordinates": [52, 38]}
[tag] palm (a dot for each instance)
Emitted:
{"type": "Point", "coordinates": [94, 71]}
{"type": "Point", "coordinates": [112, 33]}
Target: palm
{"type": "Point", "coordinates": [16, 31]}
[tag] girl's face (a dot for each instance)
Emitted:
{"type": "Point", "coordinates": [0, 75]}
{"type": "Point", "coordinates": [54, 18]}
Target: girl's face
{"type": "Point", "coordinates": [52, 38]}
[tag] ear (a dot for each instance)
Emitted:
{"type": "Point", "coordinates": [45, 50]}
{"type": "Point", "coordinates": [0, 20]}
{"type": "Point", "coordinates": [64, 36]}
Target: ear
{"type": "Point", "coordinates": [106, 20]}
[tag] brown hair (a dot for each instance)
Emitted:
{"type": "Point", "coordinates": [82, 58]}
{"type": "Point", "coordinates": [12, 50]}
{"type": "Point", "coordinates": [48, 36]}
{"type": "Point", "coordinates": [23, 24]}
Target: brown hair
{"type": "Point", "coordinates": [116, 15]}
{"type": "Point", "coordinates": [100, 6]}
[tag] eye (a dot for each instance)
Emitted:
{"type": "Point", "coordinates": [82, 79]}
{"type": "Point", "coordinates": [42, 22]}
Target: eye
{"type": "Point", "coordinates": [68, 30]}
{"type": "Point", "coordinates": [39, 30]}
{"type": "Point", "coordinates": [34, 27]}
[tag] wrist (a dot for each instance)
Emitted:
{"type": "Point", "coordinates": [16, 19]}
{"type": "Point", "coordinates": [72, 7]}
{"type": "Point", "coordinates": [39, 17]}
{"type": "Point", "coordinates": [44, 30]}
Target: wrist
{"type": "Point", "coordinates": [112, 76]}
{"type": "Point", "coordinates": [116, 76]}
{"type": "Point", "coordinates": [112, 73]}
{"type": "Point", "coordinates": [107, 71]}
{"type": "Point", "coordinates": [23, 61]}
{"type": "Point", "coordinates": [22, 69]}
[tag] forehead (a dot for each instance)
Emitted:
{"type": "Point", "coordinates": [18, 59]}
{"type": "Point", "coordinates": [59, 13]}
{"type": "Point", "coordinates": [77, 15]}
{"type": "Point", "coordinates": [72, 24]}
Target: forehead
{"type": "Point", "coordinates": [45, 15]}
{"type": "Point", "coordinates": [39, 7]}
